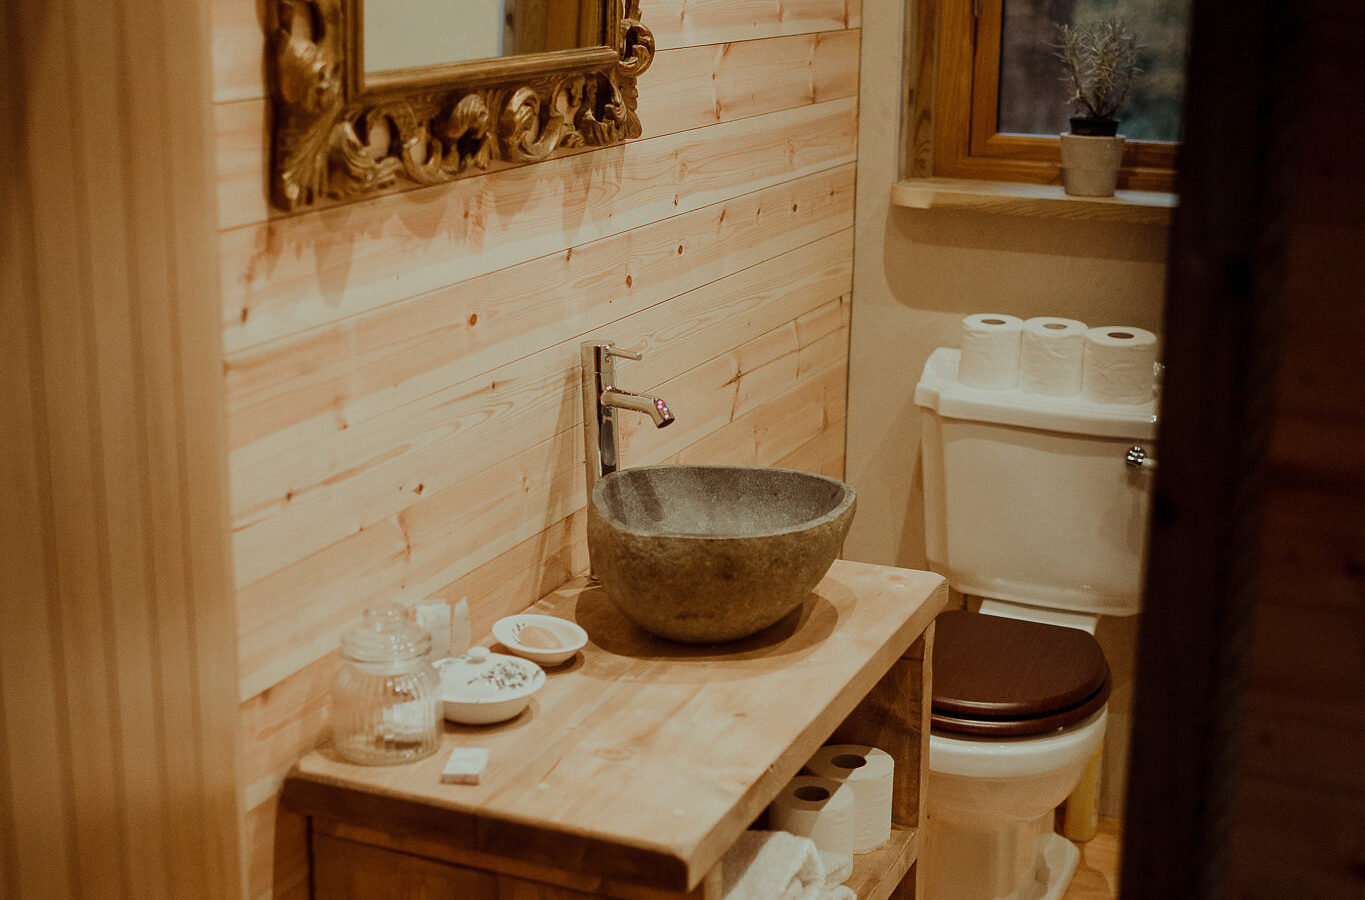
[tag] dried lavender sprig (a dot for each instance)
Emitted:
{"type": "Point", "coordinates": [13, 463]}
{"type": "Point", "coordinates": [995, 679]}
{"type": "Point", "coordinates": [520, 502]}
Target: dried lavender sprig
{"type": "Point", "coordinates": [1101, 62]}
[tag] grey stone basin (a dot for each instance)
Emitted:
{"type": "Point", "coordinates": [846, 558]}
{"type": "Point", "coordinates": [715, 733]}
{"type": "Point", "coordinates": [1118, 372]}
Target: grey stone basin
{"type": "Point", "coordinates": [708, 554]}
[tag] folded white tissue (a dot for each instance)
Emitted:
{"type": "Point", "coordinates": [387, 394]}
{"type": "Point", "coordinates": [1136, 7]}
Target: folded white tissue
{"type": "Point", "coordinates": [775, 865]}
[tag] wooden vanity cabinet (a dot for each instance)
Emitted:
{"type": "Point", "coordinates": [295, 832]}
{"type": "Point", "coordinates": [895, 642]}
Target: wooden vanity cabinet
{"type": "Point", "coordinates": [642, 761]}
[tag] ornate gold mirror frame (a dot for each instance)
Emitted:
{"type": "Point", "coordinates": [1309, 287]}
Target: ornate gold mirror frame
{"type": "Point", "coordinates": [340, 133]}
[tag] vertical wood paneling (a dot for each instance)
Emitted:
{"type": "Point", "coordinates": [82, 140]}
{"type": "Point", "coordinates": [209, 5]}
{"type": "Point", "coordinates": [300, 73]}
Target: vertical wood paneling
{"type": "Point", "coordinates": [401, 372]}
{"type": "Point", "coordinates": [40, 854]}
{"type": "Point", "coordinates": [61, 260]}
{"type": "Point", "coordinates": [118, 741]}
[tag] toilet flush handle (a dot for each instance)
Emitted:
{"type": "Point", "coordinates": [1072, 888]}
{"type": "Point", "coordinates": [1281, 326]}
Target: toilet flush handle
{"type": "Point", "coordinates": [1137, 458]}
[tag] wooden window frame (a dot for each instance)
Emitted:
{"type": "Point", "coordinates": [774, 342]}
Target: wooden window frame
{"type": "Point", "coordinates": [966, 142]}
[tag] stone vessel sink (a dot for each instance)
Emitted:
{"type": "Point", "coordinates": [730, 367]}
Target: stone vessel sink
{"type": "Point", "coordinates": [708, 554]}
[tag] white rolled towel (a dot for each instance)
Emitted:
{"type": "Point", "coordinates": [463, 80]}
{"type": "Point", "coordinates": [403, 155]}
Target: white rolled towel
{"type": "Point", "coordinates": [772, 865]}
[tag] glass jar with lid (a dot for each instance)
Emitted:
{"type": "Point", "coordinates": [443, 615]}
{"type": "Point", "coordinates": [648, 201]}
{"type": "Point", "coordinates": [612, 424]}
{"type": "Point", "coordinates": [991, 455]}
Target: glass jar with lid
{"type": "Point", "coordinates": [386, 699]}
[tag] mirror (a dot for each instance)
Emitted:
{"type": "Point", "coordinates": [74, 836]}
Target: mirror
{"type": "Point", "coordinates": [401, 34]}
{"type": "Point", "coordinates": [369, 94]}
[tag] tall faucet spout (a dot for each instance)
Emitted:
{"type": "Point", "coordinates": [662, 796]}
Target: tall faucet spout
{"type": "Point", "coordinates": [653, 407]}
{"type": "Point", "coordinates": [601, 400]}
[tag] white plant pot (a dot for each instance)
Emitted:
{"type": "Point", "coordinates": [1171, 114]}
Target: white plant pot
{"type": "Point", "coordinates": [1090, 165]}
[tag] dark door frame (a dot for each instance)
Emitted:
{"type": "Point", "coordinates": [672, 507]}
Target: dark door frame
{"type": "Point", "coordinates": [1221, 347]}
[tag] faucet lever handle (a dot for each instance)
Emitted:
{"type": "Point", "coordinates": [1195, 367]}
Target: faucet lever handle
{"type": "Point", "coordinates": [623, 354]}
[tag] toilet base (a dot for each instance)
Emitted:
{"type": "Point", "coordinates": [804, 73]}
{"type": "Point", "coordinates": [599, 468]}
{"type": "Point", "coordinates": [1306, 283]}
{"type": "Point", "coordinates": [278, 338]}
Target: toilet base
{"type": "Point", "coordinates": [1023, 861]}
{"type": "Point", "coordinates": [1057, 862]}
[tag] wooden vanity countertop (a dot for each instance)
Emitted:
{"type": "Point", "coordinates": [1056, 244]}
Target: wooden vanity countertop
{"type": "Point", "coordinates": [643, 760]}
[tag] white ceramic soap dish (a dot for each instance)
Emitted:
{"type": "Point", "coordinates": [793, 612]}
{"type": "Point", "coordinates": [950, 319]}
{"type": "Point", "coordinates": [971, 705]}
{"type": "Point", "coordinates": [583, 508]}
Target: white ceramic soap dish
{"type": "Point", "coordinates": [512, 632]}
{"type": "Point", "coordinates": [480, 687]}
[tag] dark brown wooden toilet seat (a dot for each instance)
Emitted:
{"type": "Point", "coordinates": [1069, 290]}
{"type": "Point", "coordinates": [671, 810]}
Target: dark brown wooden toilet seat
{"type": "Point", "coordinates": [1005, 677]}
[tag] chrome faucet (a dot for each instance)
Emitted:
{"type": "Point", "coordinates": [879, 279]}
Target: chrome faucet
{"type": "Point", "coordinates": [601, 399]}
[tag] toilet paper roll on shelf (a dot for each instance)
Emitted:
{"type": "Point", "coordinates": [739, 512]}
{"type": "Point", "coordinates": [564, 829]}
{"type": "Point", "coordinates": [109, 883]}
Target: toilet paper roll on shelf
{"type": "Point", "coordinates": [990, 351]}
{"type": "Point", "coordinates": [822, 810]}
{"type": "Point", "coordinates": [867, 772]}
{"type": "Point", "coordinates": [1120, 365]}
{"type": "Point", "coordinates": [1051, 356]}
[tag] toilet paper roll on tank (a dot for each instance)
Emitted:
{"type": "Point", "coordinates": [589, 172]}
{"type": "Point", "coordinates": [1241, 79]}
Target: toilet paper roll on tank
{"type": "Point", "coordinates": [1051, 354]}
{"type": "Point", "coordinates": [1056, 357]}
{"type": "Point", "coordinates": [1120, 364]}
{"type": "Point", "coordinates": [990, 351]}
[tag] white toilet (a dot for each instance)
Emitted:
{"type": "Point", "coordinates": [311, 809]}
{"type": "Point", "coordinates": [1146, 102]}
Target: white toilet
{"type": "Point", "coordinates": [1031, 506]}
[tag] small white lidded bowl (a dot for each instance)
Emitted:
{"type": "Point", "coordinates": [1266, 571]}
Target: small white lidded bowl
{"type": "Point", "coordinates": [508, 630]}
{"type": "Point", "coordinates": [480, 687]}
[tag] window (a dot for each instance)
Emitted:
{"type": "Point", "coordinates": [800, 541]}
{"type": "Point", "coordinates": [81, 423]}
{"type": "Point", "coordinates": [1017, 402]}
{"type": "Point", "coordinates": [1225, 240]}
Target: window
{"type": "Point", "coordinates": [1001, 101]}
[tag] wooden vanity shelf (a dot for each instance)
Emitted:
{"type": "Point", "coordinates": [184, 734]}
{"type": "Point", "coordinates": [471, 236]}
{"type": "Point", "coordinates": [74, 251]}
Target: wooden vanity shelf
{"type": "Point", "coordinates": [640, 762]}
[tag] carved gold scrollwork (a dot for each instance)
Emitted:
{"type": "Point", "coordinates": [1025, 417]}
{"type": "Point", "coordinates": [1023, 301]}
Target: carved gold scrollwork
{"type": "Point", "coordinates": [331, 140]}
{"type": "Point", "coordinates": [356, 166]}
{"type": "Point", "coordinates": [637, 52]}
{"type": "Point", "coordinates": [533, 126]}
{"type": "Point", "coordinates": [309, 97]}
{"type": "Point", "coordinates": [468, 134]}
{"type": "Point", "coordinates": [636, 41]}
{"type": "Point", "coordinates": [603, 117]}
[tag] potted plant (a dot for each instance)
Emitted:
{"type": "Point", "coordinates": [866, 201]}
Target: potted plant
{"type": "Point", "coordinates": [1101, 62]}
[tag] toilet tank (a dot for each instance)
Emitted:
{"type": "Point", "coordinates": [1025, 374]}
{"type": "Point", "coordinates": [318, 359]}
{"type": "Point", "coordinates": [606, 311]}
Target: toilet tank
{"type": "Point", "coordinates": [1028, 498]}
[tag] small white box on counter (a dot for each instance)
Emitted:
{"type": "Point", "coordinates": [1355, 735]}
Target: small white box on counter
{"type": "Point", "coordinates": [465, 765]}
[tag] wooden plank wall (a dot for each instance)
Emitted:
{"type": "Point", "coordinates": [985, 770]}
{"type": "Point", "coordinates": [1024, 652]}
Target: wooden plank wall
{"type": "Point", "coordinates": [402, 394]}
{"type": "Point", "coordinates": [117, 676]}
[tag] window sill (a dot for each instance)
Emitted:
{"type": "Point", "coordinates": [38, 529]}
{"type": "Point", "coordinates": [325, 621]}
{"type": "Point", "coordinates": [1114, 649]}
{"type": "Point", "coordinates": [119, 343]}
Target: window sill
{"type": "Point", "coordinates": [1046, 200]}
